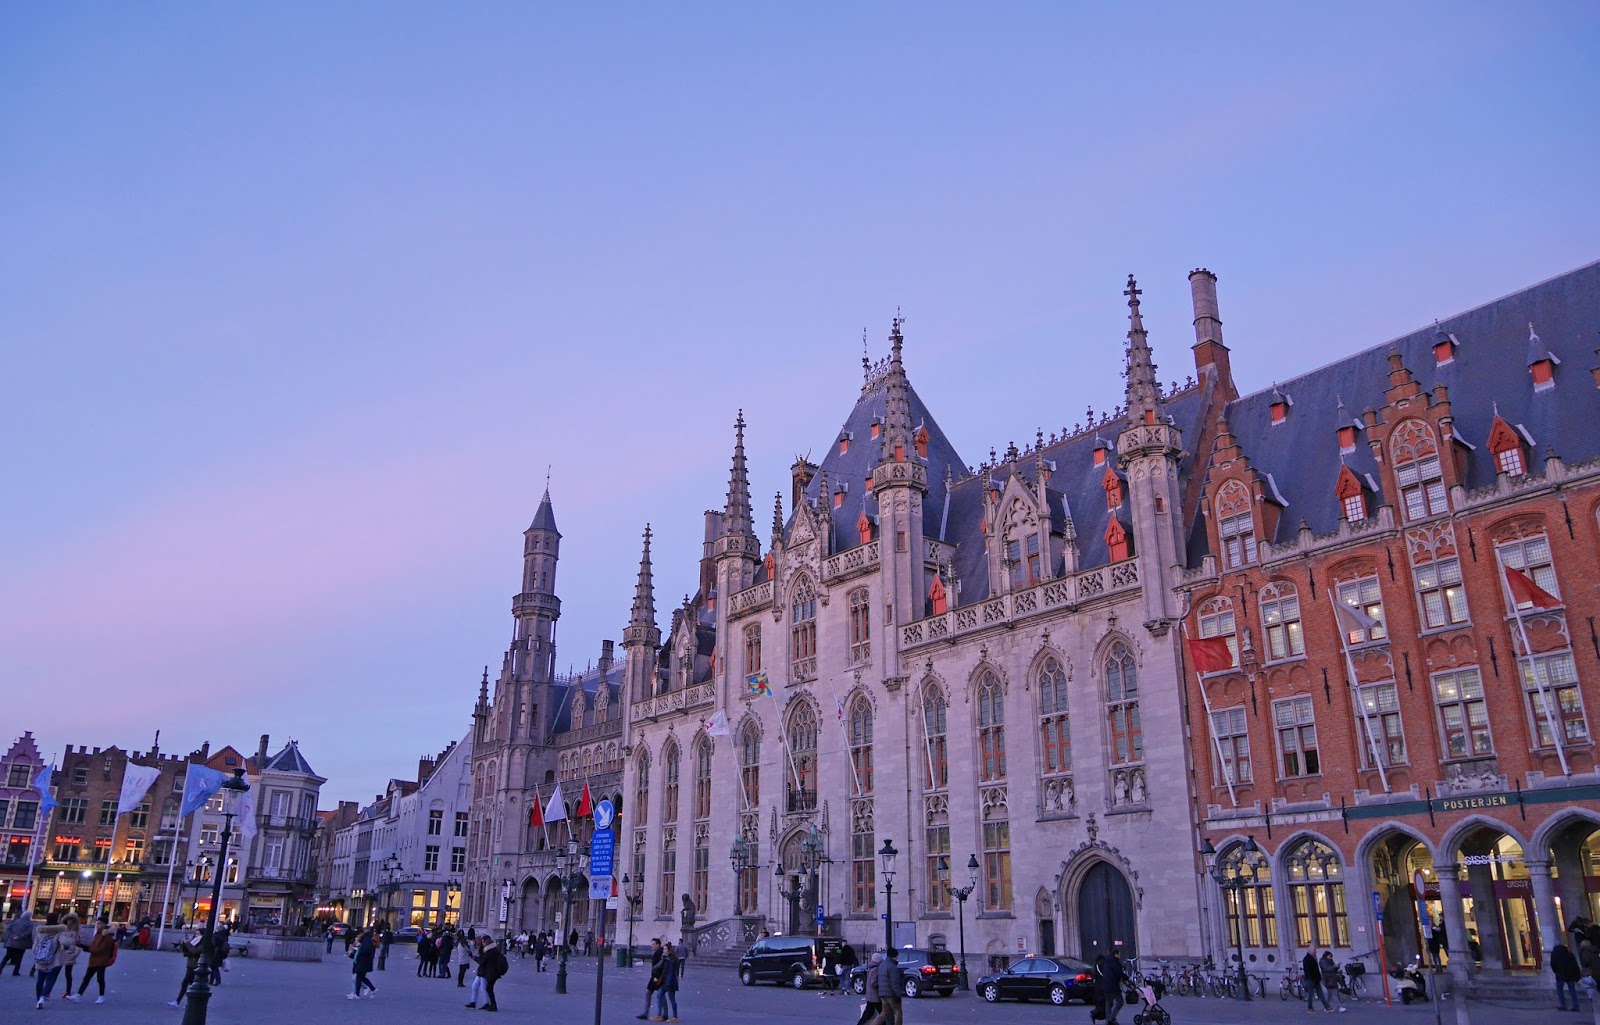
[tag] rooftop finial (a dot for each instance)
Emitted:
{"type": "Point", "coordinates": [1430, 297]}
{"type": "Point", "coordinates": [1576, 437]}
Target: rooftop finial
{"type": "Point", "coordinates": [736, 520]}
{"type": "Point", "coordinates": [1143, 395]}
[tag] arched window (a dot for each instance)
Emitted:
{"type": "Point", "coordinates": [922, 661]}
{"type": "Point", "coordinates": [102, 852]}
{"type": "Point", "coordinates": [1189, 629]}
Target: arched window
{"type": "Point", "coordinates": [1236, 525]}
{"type": "Point", "coordinates": [935, 745]}
{"type": "Point", "coordinates": [1122, 706]}
{"type": "Point", "coordinates": [667, 899]}
{"type": "Point", "coordinates": [1217, 620]}
{"type": "Point", "coordinates": [752, 649]}
{"type": "Point", "coordinates": [803, 749]}
{"type": "Point", "coordinates": [702, 780]}
{"type": "Point", "coordinates": [1280, 621]}
{"type": "Point", "coordinates": [641, 789]}
{"type": "Point", "coordinates": [1055, 730]}
{"type": "Point", "coordinates": [1259, 917]}
{"type": "Point", "coordinates": [803, 631]}
{"type": "Point", "coordinates": [1316, 892]}
{"type": "Point", "coordinates": [669, 806]}
{"type": "Point", "coordinates": [861, 745]}
{"type": "Point", "coordinates": [750, 764]}
{"type": "Point", "coordinates": [991, 729]}
{"type": "Point", "coordinates": [1415, 450]}
{"type": "Point", "coordinates": [860, 626]}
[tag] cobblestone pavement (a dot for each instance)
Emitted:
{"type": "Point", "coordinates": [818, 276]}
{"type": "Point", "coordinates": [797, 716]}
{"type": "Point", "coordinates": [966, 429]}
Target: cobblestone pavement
{"type": "Point", "coordinates": [276, 993]}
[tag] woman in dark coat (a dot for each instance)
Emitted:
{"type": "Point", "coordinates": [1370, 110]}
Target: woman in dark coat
{"type": "Point", "coordinates": [362, 965]}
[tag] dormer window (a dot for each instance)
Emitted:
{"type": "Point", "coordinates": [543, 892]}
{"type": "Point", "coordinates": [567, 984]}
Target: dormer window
{"type": "Point", "coordinates": [1355, 508]}
{"type": "Point", "coordinates": [1100, 454]}
{"type": "Point", "coordinates": [1509, 462]}
{"type": "Point", "coordinates": [899, 453]}
{"type": "Point", "coordinates": [864, 527]}
{"type": "Point", "coordinates": [1280, 406]}
{"type": "Point", "coordinates": [844, 443]}
{"type": "Point", "coordinates": [922, 441]}
{"type": "Point", "coordinates": [1542, 363]}
{"type": "Point", "coordinates": [1347, 439]}
{"type": "Point", "coordinates": [1113, 487]}
{"type": "Point", "coordinates": [1117, 542]}
{"type": "Point", "coordinates": [1352, 503]}
{"type": "Point", "coordinates": [1505, 442]}
{"type": "Point", "coordinates": [875, 428]}
{"type": "Point", "coordinates": [1444, 347]}
{"type": "Point", "coordinates": [839, 493]}
{"type": "Point", "coordinates": [1236, 528]}
{"type": "Point", "coordinates": [1023, 558]}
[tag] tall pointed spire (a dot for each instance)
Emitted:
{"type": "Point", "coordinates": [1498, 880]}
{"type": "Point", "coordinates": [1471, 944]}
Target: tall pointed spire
{"type": "Point", "coordinates": [736, 517]}
{"type": "Point", "coordinates": [1143, 394]}
{"type": "Point", "coordinates": [897, 441]}
{"type": "Point", "coordinates": [777, 518]}
{"type": "Point", "coordinates": [545, 517]}
{"type": "Point", "coordinates": [644, 591]}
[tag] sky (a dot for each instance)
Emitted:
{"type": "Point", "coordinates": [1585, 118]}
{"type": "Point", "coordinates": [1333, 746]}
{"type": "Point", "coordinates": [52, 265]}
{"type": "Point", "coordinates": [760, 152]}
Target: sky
{"type": "Point", "coordinates": [300, 303]}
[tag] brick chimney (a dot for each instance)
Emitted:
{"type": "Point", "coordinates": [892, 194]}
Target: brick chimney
{"type": "Point", "coordinates": [1209, 351]}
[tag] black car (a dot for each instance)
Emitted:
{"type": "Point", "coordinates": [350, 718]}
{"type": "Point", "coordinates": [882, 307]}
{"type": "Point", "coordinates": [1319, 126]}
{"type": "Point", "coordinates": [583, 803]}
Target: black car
{"type": "Point", "coordinates": [795, 960]}
{"type": "Point", "coordinates": [925, 971]}
{"type": "Point", "coordinates": [1056, 979]}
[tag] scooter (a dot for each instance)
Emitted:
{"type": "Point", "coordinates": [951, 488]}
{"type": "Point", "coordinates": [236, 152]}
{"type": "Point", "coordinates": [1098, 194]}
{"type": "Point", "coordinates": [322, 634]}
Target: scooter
{"type": "Point", "coordinates": [1409, 981]}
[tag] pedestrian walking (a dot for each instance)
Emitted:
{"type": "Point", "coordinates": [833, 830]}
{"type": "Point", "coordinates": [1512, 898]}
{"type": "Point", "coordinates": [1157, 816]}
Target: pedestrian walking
{"type": "Point", "coordinates": [1567, 972]}
{"type": "Point", "coordinates": [891, 987]}
{"type": "Point", "coordinates": [654, 982]}
{"type": "Point", "coordinates": [541, 950]}
{"type": "Point", "coordinates": [190, 949]}
{"type": "Point", "coordinates": [102, 955]}
{"type": "Point", "coordinates": [1330, 980]}
{"type": "Point", "coordinates": [845, 963]}
{"type": "Point", "coordinates": [71, 946]}
{"type": "Point", "coordinates": [361, 965]}
{"type": "Point", "coordinates": [491, 966]}
{"type": "Point", "coordinates": [667, 994]}
{"type": "Point", "coordinates": [1108, 981]}
{"type": "Point", "coordinates": [471, 951]}
{"type": "Point", "coordinates": [221, 947]}
{"type": "Point", "coordinates": [1311, 968]}
{"type": "Point", "coordinates": [18, 938]}
{"type": "Point", "coordinates": [328, 935]}
{"type": "Point", "coordinates": [874, 1002]}
{"type": "Point", "coordinates": [424, 954]}
{"type": "Point", "coordinates": [46, 958]}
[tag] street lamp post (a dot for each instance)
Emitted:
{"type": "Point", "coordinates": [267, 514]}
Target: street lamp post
{"type": "Point", "coordinates": [633, 890]}
{"type": "Point", "coordinates": [452, 902]}
{"type": "Point", "coordinates": [199, 995]}
{"type": "Point", "coordinates": [571, 863]}
{"type": "Point", "coordinates": [886, 857]}
{"type": "Point", "coordinates": [961, 893]}
{"type": "Point", "coordinates": [391, 868]}
{"type": "Point", "coordinates": [798, 885]}
{"type": "Point", "coordinates": [1241, 868]}
{"type": "Point", "coordinates": [202, 872]}
{"type": "Point", "coordinates": [739, 858]}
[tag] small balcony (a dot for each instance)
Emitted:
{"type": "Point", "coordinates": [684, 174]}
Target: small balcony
{"type": "Point", "coordinates": [801, 801]}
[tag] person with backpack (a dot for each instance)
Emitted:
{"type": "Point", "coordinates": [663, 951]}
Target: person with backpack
{"type": "Point", "coordinates": [102, 955]}
{"type": "Point", "coordinates": [492, 965]}
{"type": "Point", "coordinates": [46, 958]}
{"type": "Point", "coordinates": [18, 938]}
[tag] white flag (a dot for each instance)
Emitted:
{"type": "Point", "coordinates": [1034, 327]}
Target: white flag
{"type": "Point", "coordinates": [717, 725]}
{"type": "Point", "coordinates": [556, 810]}
{"type": "Point", "coordinates": [247, 814]}
{"type": "Point", "coordinates": [136, 782]}
{"type": "Point", "coordinates": [1353, 620]}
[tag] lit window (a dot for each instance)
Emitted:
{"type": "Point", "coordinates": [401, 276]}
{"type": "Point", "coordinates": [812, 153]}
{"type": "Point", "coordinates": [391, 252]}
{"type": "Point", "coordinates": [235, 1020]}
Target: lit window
{"type": "Point", "coordinates": [1355, 508]}
{"type": "Point", "coordinates": [1259, 917]}
{"type": "Point", "coordinates": [1365, 596]}
{"type": "Point", "coordinates": [1463, 714]}
{"type": "Point", "coordinates": [1509, 461]}
{"type": "Point", "coordinates": [1443, 598]}
{"type": "Point", "coordinates": [1316, 892]}
{"type": "Point", "coordinates": [1217, 620]}
{"type": "Point", "coordinates": [1415, 449]}
{"type": "Point", "coordinates": [1532, 556]}
{"type": "Point", "coordinates": [1239, 539]}
{"type": "Point", "coordinates": [1280, 616]}
{"type": "Point", "coordinates": [1382, 731]}
{"type": "Point", "coordinates": [1295, 721]}
{"type": "Point", "coordinates": [1559, 675]}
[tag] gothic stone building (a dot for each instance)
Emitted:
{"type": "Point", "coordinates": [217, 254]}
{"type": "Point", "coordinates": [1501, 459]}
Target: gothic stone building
{"type": "Point", "coordinates": [968, 665]}
{"type": "Point", "coordinates": [1430, 755]}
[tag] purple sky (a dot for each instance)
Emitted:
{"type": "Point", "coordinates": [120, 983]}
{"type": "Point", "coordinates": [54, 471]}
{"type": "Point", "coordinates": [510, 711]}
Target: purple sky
{"type": "Point", "coordinates": [298, 301]}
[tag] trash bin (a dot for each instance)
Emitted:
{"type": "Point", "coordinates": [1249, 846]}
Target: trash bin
{"type": "Point", "coordinates": [624, 957]}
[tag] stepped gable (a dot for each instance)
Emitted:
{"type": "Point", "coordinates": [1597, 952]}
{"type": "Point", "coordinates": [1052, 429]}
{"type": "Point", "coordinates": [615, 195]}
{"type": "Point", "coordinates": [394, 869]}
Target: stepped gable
{"type": "Point", "coordinates": [853, 467]}
{"type": "Point", "coordinates": [1492, 352]}
{"type": "Point", "coordinates": [1075, 490]}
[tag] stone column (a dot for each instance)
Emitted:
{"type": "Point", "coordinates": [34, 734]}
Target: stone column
{"type": "Point", "coordinates": [1569, 882]}
{"type": "Point", "coordinates": [1455, 920]}
{"type": "Point", "coordinates": [1544, 905]}
{"type": "Point", "coordinates": [1486, 915]}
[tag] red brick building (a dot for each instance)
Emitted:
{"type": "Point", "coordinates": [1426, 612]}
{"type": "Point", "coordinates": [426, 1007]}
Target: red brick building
{"type": "Point", "coordinates": [1416, 739]}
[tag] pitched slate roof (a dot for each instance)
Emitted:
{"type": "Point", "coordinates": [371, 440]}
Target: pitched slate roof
{"type": "Point", "coordinates": [562, 692]}
{"type": "Point", "coordinates": [1490, 368]}
{"type": "Point", "coordinates": [544, 518]}
{"type": "Point", "coordinates": [290, 760]}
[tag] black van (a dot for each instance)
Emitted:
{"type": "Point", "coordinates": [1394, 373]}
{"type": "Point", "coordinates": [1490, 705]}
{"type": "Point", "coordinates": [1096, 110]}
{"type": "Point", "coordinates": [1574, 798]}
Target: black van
{"type": "Point", "coordinates": [796, 960]}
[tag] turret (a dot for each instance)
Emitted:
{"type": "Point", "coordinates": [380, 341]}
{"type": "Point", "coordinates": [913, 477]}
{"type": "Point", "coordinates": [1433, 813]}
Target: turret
{"type": "Point", "coordinates": [900, 484]}
{"type": "Point", "coordinates": [641, 639]}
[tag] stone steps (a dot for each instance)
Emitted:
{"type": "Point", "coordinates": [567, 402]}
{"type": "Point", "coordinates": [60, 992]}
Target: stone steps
{"type": "Point", "coordinates": [1511, 989]}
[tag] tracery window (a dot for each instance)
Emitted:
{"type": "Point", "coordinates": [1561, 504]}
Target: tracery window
{"type": "Point", "coordinates": [750, 764]}
{"type": "Point", "coordinates": [803, 631]}
{"type": "Point", "coordinates": [1415, 450]}
{"type": "Point", "coordinates": [803, 749]}
{"type": "Point", "coordinates": [669, 808]}
{"type": "Point", "coordinates": [1122, 706]}
{"type": "Point", "coordinates": [991, 729]}
{"type": "Point", "coordinates": [860, 626]}
{"type": "Point", "coordinates": [935, 744]}
{"type": "Point", "coordinates": [1316, 893]}
{"type": "Point", "coordinates": [1055, 727]}
{"type": "Point", "coordinates": [1280, 621]}
{"type": "Point", "coordinates": [861, 745]}
{"type": "Point", "coordinates": [1236, 524]}
{"type": "Point", "coordinates": [1217, 620]}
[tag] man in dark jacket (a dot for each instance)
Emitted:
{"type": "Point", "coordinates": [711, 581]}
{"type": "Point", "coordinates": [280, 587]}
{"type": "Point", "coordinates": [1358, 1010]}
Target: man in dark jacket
{"type": "Point", "coordinates": [1109, 983]}
{"type": "Point", "coordinates": [443, 950]}
{"type": "Point", "coordinates": [654, 982]}
{"type": "Point", "coordinates": [492, 965]}
{"type": "Point", "coordinates": [1565, 966]}
{"type": "Point", "coordinates": [891, 988]}
{"type": "Point", "coordinates": [1312, 971]}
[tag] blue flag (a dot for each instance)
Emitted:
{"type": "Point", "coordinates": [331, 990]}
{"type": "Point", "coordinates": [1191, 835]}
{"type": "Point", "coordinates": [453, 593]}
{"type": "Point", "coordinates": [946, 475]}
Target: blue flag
{"type": "Point", "coordinates": [198, 787]}
{"type": "Point", "coordinates": [42, 784]}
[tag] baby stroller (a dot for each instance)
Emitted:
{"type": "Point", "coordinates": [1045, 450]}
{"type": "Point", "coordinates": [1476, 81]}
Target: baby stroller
{"type": "Point", "coordinates": [1151, 1013]}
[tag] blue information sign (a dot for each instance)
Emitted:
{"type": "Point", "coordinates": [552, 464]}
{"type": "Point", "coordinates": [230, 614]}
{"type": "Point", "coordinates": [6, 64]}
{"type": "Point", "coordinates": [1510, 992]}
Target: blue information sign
{"type": "Point", "coordinates": [820, 916]}
{"type": "Point", "coordinates": [602, 851]}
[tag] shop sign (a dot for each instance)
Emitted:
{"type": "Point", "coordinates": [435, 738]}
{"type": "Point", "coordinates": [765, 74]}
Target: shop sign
{"type": "Point", "coordinates": [1471, 803]}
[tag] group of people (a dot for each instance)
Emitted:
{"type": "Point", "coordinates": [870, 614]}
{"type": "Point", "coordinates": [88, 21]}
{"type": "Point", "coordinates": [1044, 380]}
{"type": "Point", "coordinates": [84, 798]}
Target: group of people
{"type": "Point", "coordinates": [192, 947]}
{"type": "Point", "coordinates": [1322, 980]}
{"type": "Point", "coordinates": [52, 948]}
{"type": "Point", "coordinates": [434, 950]}
{"type": "Point", "coordinates": [1571, 968]}
{"type": "Point", "coordinates": [666, 968]}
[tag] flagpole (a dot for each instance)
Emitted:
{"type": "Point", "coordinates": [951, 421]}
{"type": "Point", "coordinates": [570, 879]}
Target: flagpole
{"type": "Point", "coordinates": [849, 754]}
{"type": "Point", "coordinates": [1350, 669]}
{"type": "Point", "coordinates": [1533, 666]}
{"type": "Point", "coordinates": [1211, 724]}
{"type": "Point", "coordinates": [783, 738]}
{"type": "Point", "coordinates": [927, 749]}
{"type": "Point", "coordinates": [111, 852]}
{"type": "Point", "coordinates": [38, 831]}
{"type": "Point", "coordinates": [172, 864]}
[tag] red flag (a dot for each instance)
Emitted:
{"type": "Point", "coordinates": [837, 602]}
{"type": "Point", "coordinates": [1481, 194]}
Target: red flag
{"type": "Point", "coordinates": [1210, 654]}
{"type": "Point", "coordinates": [535, 813]}
{"type": "Point", "coordinates": [1525, 592]}
{"type": "Point", "coordinates": [584, 807]}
